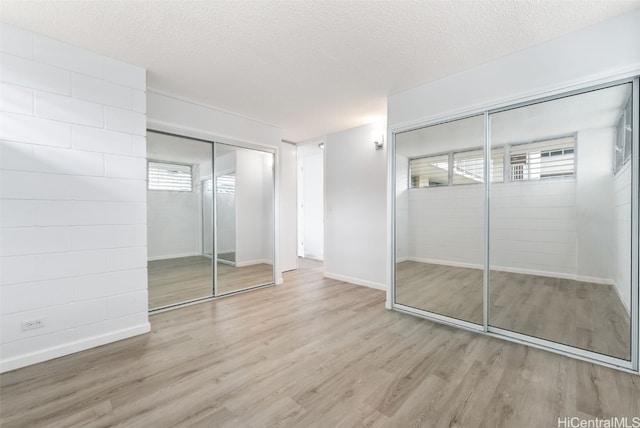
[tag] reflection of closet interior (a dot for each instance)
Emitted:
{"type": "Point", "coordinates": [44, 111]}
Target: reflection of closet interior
{"type": "Point", "coordinates": [517, 222]}
{"type": "Point", "coordinates": [209, 219]}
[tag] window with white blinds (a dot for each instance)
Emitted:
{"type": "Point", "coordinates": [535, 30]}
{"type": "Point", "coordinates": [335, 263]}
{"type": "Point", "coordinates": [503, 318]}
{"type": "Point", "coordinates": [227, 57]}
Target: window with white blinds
{"type": "Point", "coordinates": [543, 159]}
{"type": "Point", "coordinates": [226, 184]}
{"type": "Point", "coordinates": [528, 161]}
{"type": "Point", "coordinates": [169, 176]}
{"type": "Point", "coordinates": [468, 167]}
{"type": "Point", "coordinates": [429, 171]}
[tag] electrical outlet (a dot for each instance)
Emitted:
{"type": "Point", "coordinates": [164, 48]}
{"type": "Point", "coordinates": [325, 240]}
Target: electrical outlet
{"type": "Point", "coordinates": [30, 325]}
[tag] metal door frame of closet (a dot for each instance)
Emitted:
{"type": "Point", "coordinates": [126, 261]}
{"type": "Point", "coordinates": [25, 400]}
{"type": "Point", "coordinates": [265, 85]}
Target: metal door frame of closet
{"type": "Point", "coordinates": [214, 288]}
{"type": "Point", "coordinates": [630, 366]}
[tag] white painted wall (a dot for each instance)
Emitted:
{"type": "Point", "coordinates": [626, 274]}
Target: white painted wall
{"type": "Point", "coordinates": [595, 206]}
{"type": "Point", "coordinates": [311, 167]}
{"type": "Point", "coordinates": [226, 220]}
{"type": "Point", "coordinates": [226, 207]}
{"type": "Point", "coordinates": [167, 113]}
{"type": "Point", "coordinates": [533, 227]}
{"type": "Point", "coordinates": [288, 206]}
{"type": "Point", "coordinates": [73, 224]}
{"type": "Point", "coordinates": [254, 208]}
{"type": "Point", "coordinates": [206, 190]}
{"type": "Point", "coordinates": [445, 225]}
{"type": "Point", "coordinates": [355, 214]}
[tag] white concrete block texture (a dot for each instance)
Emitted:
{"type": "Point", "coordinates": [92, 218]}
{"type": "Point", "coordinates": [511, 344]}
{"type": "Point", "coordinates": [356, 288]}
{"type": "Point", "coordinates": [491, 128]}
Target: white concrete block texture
{"type": "Point", "coordinates": [73, 249]}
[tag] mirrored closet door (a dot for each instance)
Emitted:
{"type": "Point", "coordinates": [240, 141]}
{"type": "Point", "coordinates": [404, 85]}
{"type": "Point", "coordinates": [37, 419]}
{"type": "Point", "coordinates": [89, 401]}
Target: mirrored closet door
{"type": "Point", "coordinates": [210, 219]}
{"type": "Point", "coordinates": [561, 221]}
{"type": "Point", "coordinates": [439, 219]}
{"type": "Point", "coordinates": [179, 218]}
{"type": "Point", "coordinates": [522, 223]}
{"type": "Point", "coordinates": [244, 218]}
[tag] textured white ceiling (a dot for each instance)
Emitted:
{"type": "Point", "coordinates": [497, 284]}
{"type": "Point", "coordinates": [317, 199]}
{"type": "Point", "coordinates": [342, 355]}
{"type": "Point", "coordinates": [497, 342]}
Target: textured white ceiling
{"type": "Point", "coordinates": [309, 67]}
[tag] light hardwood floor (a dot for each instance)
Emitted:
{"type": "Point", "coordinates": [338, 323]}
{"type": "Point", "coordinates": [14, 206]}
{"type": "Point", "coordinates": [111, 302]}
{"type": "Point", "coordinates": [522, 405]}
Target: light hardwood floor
{"type": "Point", "coordinates": [313, 352]}
{"type": "Point", "coordinates": [181, 279]}
{"type": "Point", "coordinates": [586, 315]}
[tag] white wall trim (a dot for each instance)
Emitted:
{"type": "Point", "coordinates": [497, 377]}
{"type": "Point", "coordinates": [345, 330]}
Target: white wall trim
{"type": "Point", "coordinates": [253, 262]}
{"type": "Point", "coordinates": [174, 256]}
{"type": "Point", "coordinates": [445, 262]}
{"type": "Point", "coordinates": [563, 275]}
{"type": "Point", "coordinates": [507, 101]}
{"type": "Point", "coordinates": [190, 132]}
{"type": "Point", "coordinates": [209, 107]}
{"type": "Point", "coordinates": [356, 281]}
{"type": "Point", "coordinates": [72, 347]}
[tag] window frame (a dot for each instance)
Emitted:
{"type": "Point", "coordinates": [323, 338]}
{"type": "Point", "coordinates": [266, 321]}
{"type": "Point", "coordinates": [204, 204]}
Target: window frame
{"type": "Point", "coordinates": [158, 161]}
{"type": "Point", "coordinates": [506, 162]}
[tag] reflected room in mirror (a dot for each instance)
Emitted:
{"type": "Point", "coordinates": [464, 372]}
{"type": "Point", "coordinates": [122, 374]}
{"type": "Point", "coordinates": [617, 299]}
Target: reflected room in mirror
{"type": "Point", "coordinates": [244, 218]}
{"type": "Point", "coordinates": [558, 222]}
{"type": "Point", "coordinates": [439, 219]}
{"type": "Point", "coordinates": [179, 220]}
{"type": "Point", "coordinates": [560, 235]}
{"type": "Point", "coordinates": [207, 202]}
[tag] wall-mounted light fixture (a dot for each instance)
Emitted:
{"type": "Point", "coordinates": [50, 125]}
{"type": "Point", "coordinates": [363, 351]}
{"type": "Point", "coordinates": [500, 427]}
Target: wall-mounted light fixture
{"type": "Point", "coordinates": [378, 141]}
{"type": "Point", "coordinates": [321, 145]}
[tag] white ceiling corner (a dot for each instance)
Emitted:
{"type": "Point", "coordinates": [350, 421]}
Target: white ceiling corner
{"type": "Point", "coordinates": [309, 67]}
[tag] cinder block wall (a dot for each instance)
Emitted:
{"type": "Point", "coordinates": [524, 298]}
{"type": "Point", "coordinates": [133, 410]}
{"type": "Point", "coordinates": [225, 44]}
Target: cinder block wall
{"type": "Point", "coordinates": [73, 199]}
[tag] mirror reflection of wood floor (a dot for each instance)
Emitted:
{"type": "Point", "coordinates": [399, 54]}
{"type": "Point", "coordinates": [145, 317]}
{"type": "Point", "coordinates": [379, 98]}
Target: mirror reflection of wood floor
{"type": "Point", "coordinates": [181, 279]}
{"type": "Point", "coordinates": [313, 352]}
{"type": "Point", "coordinates": [586, 315]}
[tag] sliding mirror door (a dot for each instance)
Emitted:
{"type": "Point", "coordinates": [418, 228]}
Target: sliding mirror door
{"type": "Point", "coordinates": [179, 220]}
{"type": "Point", "coordinates": [439, 219]}
{"type": "Point", "coordinates": [244, 201]}
{"type": "Point", "coordinates": [560, 222]}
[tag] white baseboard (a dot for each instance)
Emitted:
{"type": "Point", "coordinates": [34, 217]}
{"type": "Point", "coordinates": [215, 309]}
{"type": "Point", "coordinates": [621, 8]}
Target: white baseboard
{"type": "Point", "coordinates": [173, 256]}
{"type": "Point", "coordinates": [548, 274]}
{"type": "Point", "coordinates": [253, 262]}
{"type": "Point", "coordinates": [595, 280]}
{"type": "Point", "coordinates": [443, 262]}
{"type": "Point", "coordinates": [226, 262]}
{"type": "Point", "coordinates": [279, 280]}
{"type": "Point", "coordinates": [357, 281]}
{"type": "Point", "coordinates": [71, 347]}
